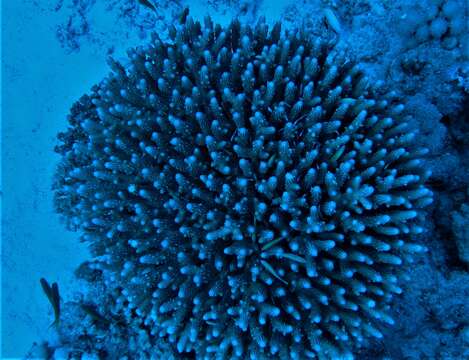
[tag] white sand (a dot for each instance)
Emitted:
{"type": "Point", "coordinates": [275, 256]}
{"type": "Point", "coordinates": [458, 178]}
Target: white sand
{"type": "Point", "coordinates": [40, 84]}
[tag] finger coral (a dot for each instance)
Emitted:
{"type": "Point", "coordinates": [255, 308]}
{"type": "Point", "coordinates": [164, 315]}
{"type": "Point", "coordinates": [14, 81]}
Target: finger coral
{"type": "Point", "coordinates": [247, 189]}
{"type": "Point", "coordinates": [440, 20]}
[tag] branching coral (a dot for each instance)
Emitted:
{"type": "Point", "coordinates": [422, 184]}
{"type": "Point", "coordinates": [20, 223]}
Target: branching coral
{"type": "Point", "coordinates": [247, 189]}
{"type": "Point", "coordinates": [93, 326]}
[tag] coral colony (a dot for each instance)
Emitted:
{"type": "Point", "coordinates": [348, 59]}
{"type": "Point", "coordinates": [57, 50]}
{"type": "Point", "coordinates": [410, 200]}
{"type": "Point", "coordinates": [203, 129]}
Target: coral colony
{"type": "Point", "coordinates": [442, 20]}
{"type": "Point", "coordinates": [249, 192]}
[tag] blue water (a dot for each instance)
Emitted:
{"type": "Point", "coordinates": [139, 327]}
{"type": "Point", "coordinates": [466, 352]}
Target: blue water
{"type": "Point", "coordinates": [54, 51]}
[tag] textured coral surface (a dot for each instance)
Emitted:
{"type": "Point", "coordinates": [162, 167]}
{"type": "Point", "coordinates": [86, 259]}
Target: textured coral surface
{"type": "Point", "coordinates": [54, 51]}
{"type": "Point", "coordinates": [247, 189]}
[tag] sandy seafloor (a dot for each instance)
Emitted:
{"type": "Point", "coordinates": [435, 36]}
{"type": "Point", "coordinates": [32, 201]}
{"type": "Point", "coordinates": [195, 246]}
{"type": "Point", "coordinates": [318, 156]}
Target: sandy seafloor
{"type": "Point", "coordinates": [54, 51]}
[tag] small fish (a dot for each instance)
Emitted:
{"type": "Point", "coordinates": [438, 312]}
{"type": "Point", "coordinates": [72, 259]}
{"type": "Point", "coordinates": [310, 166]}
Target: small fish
{"type": "Point", "coordinates": [148, 4]}
{"type": "Point", "coordinates": [271, 243]}
{"type": "Point", "coordinates": [270, 269]}
{"type": "Point", "coordinates": [91, 311]}
{"type": "Point", "coordinates": [332, 21]}
{"type": "Point", "coordinates": [183, 17]}
{"type": "Point", "coordinates": [52, 293]}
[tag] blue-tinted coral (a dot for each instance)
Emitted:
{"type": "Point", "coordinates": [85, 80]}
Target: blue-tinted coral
{"type": "Point", "coordinates": [460, 226]}
{"type": "Point", "coordinates": [247, 189]}
{"type": "Point", "coordinates": [439, 20]}
{"type": "Point", "coordinates": [94, 326]}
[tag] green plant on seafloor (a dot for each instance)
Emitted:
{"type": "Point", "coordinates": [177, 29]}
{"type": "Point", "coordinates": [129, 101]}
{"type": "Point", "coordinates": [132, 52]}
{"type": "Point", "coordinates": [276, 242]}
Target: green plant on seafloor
{"type": "Point", "coordinates": [249, 191]}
